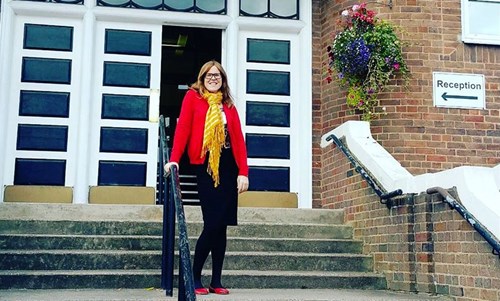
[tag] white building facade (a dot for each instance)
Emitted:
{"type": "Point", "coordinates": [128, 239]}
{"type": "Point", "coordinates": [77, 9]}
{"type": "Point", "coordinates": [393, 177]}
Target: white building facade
{"type": "Point", "coordinates": [83, 83]}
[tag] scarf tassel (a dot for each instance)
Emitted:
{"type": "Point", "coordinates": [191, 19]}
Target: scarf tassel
{"type": "Point", "coordinates": [214, 136]}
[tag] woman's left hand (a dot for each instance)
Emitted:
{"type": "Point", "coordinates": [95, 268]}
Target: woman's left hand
{"type": "Point", "coordinates": [242, 184]}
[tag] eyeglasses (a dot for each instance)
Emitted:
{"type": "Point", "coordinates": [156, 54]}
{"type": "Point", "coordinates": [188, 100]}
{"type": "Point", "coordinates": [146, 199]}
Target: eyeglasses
{"type": "Point", "coordinates": [212, 75]}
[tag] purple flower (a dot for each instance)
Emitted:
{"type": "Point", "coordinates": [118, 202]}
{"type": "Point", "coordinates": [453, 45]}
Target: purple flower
{"type": "Point", "coordinates": [354, 61]}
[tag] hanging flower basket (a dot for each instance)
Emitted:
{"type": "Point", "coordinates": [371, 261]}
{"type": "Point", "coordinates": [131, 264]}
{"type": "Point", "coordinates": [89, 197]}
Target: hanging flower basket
{"type": "Point", "coordinates": [365, 56]}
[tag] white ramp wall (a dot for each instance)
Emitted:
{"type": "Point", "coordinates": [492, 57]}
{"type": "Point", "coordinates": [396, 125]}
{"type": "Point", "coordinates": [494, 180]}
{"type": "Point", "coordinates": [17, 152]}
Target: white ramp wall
{"type": "Point", "coordinates": [478, 187]}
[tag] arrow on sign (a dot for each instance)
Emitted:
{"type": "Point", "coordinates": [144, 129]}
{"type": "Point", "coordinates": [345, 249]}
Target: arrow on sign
{"type": "Point", "coordinates": [445, 96]}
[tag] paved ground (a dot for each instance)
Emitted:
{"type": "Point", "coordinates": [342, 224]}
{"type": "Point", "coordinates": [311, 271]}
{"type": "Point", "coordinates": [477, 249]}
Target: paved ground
{"type": "Point", "coordinates": [235, 295]}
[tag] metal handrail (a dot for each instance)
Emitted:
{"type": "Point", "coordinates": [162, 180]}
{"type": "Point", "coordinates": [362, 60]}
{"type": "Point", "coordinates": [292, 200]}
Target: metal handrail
{"type": "Point", "coordinates": [485, 233]}
{"type": "Point", "coordinates": [383, 195]}
{"type": "Point", "coordinates": [169, 193]}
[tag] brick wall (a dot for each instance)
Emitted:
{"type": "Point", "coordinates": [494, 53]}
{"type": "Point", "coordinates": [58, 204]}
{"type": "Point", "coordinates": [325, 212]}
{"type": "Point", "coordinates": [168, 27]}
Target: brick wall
{"type": "Point", "coordinates": [418, 242]}
{"type": "Point", "coordinates": [421, 245]}
{"type": "Point", "coordinates": [422, 137]}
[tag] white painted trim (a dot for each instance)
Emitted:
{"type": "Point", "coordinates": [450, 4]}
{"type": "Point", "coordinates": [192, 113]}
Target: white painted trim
{"type": "Point", "coordinates": [365, 148]}
{"type": "Point", "coordinates": [40, 9]}
{"type": "Point", "coordinates": [273, 25]}
{"type": "Point", "coordinates": [81, 188]}
{"type": "Point", "coordinates": [40, 155]}
{"type": "Point", "coordinates": [232, 26]}
{"type": "Point", "coordinates": [95, 116]}
{"type": "Point", "coordinates": [269, 130]}
{"type": "Point", "coordinates": [6, 38]}
{"type": "Point", "coordinates": [143, 16]}
{"type": "Point", "coordinates": [305, 107]}
{"type": "Point", "coordinates": [300, 103]}
{"type": "Point", "coordinates": [270, 162]}
{"type": "Point", "coordinates": [14, 73]}
{"type": "Point", "coordinates": [300, 98]}
{"type": "Point", "coordinates": [268, 98]}
{"type": "Point", "coordinates": [478, 187]}
{"type": "Point", "coordinates": [467, 36]}
{"type": "Point", "coordinates": [229, 51]}
{"type": "Point", "coordinates": [13, 119]}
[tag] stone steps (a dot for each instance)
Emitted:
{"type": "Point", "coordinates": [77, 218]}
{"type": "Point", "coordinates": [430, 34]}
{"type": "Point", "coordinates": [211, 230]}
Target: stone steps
{"type": "Point", "coordinates": [80, 279]}
{"type": "Point", "coordinates": [126, 259]}
{"type": "Point", "coordinates": [152, 242]}
{"type": "Point", "coordinates": [84, 212]}
{"type": "Point", "coordinates": [244, 229]}
{"type": "Point", "coordinates": [110, 246]}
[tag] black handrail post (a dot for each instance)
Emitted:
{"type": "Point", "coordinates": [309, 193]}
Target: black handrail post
{"type": "Point", "coordinates": [169, 241]}
{"type": "Point", "coordinates": [186, 280]}
{"type": "Point", "coordinates": [169, 207]}
{"type": "Point", "coordinates": [170, 192]}
{"type": "Point", "coordinates": [182, 287]}
{"type": "Point", "coordinates": [168, 229]}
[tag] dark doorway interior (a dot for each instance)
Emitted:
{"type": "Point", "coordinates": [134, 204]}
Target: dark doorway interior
{"type": "Point", "coordinates": [184, 51]}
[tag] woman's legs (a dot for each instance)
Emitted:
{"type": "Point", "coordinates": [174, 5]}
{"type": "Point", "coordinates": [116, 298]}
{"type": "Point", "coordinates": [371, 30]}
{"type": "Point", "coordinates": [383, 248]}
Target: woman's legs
{"type": "Point", "coordinates": [210, 240]}
{"type": "Point", "coordinates": [203, 246]}
{"type": "Point", "coordinates": [218, 254]}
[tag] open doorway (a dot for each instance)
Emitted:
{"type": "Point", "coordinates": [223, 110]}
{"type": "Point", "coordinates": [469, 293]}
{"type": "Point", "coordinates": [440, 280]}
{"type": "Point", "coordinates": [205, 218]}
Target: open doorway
{"type": "Point", "coordinates": [184, 51]}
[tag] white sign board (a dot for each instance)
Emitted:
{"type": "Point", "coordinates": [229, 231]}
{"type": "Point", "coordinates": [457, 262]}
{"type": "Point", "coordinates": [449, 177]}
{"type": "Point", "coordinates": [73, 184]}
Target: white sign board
{"type": "Point", "coordinates": [458, 90]}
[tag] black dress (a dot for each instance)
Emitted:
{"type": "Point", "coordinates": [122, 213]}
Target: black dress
{"type": "Point", "coordinates": [219, 205]}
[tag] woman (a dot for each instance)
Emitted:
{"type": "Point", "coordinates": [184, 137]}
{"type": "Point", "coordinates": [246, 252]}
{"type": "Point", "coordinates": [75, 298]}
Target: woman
{"type": "Point", "coordinates": [210, 127]}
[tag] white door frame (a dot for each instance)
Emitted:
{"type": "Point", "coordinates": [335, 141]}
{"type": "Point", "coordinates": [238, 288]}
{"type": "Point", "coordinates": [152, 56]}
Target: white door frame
{"type": "Point", "coordinates": [232, 26]}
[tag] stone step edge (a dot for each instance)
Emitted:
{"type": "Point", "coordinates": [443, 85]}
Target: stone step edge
{"type": "Point", "coordinates": [103, 212]}
{"type": "Point", "coordinates": [134, 236]}
{"type": "Point", "coordinates": [4, 273]}
{"type": "Point", "coordinates": [155, 252]}
{"type": "Point", "coordinates": [240, 223]}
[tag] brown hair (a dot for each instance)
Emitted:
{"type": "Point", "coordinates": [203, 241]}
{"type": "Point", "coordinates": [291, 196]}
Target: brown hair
{"type": "Point", "coordinates": [200, 86]}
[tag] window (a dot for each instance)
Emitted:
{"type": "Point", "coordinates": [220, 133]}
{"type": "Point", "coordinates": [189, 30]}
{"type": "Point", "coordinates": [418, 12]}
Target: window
{"type": "Point", "coordinates": [193, 6]}
{"type": "Point", "coordinates": [282, 9]}
{"type": "Point", "coordinates": [480, 21]}
{"type": "Point", "coordinates": [59, 1]}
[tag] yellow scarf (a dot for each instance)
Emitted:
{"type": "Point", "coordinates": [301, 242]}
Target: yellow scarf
{"type": "Point", "coordinates": [213, 137]}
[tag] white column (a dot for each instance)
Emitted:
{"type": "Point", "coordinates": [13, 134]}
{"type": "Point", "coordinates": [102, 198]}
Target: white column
{"type": "Point", "coordinates": [81, 188]}
{"type": "Point", "coordinates": [230, 49]}
{"type": "Point", "coordinates": [6, 36]}
{"type": "Point", "coordinates": [304, 107]}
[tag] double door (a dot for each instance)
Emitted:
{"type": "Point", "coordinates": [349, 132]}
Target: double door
{"type": "Point", "coordinates": [83, 109]}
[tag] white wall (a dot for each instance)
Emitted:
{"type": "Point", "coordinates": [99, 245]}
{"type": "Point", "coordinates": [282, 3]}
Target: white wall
{"type": "Point", "coordinates": [233, 26]}
{"type": "Point", "coordinates": [478, 187]}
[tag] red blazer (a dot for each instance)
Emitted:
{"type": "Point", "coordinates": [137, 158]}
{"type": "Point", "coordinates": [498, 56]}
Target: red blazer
{"type": "Point", "coordinates": [190, 128]}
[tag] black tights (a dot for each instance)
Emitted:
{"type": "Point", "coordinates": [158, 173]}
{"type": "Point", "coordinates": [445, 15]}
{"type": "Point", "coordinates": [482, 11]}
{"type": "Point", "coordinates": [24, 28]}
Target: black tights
{"type": "Point", "coordinates": [211, 240]}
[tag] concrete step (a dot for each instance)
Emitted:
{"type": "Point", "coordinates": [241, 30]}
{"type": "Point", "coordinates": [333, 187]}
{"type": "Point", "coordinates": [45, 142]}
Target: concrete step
{"type": "Point", "coordinates": [151, 294]}
{"type": "Point", "coordinates": [110, 246]}
{"type": "Point", "coordinates": [244, 229]}
{"type": "Point", "coordinates": [78, 212]}
{"type": "Point", "coordinates": [143, 242]}
{"type": "Point", "coordinates": [151, 278]}
{"type": "Point", "coordinates": [124, 259]}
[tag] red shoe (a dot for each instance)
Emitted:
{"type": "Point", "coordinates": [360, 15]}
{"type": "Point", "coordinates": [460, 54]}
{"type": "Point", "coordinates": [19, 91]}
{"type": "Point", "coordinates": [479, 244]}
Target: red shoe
{"type": "Point", "coordinates": [201, 291]}
{"type": "Point", "coordinates": [218, 290]}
